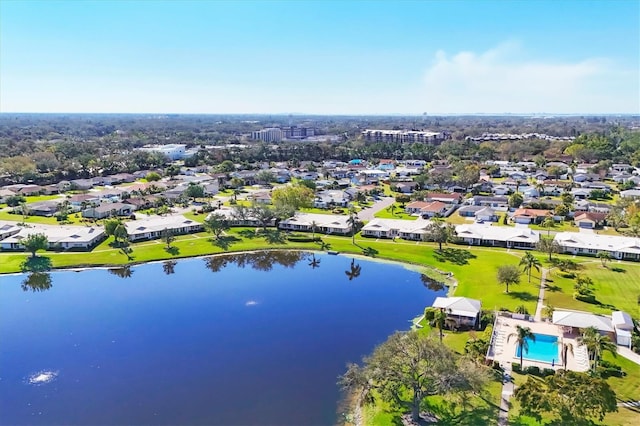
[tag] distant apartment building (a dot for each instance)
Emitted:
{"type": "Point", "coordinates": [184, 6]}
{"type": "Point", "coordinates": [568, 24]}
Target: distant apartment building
{"type": "Point", "coordinates": [174, 151]}
{"type": "Point", "coordinates": [277, 134]}
{"type": "Point", "coordinates": [402, 136]}
{"type": "Point", "coordinates": [271, 134]}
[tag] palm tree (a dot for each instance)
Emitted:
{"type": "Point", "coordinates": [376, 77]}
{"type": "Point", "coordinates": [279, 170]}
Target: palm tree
{"type": "Point", "coordinates": [529, 262]}
{"type": "Point", "coordinates": [604, 256]}
{"type": "Point", "coordinates": [440, 318]}
{"type": "Point", "coordinates": [548, 223]}
{"type": "Point", "coordinates": [596, 344]}
{"type": "Point", "coordinates": [565, 348]}
{"type": "Point", "coordinates": [313, 262]}
{"type": "Point", "coordinates": [522, 336]}
{"type": "Point", "coordinates": [354, 271]}
{"type": "Point", "coordinates": [353, 222]}
{"type": "Point", "coordinates": [313, 225]}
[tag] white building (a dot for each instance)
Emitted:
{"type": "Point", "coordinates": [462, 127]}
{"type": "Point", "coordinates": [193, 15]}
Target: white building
{"type": "Point", "coordinates": [153, 227]}
{"type": "Point", "coordinates": [402, 136]}
{"type": "Point", "coordinates": [271, 134]}
{"type": "Point", "coordinates": [173, 150]}
{"type": "Point", "coordinates": [59, 237]}
{"type": "Point", "coordinates": [462, 310]}
{"type": "Point", "coordinates": [414, 230]}
{"type": "Point", "coordinates": [322, 223]}
{"type": "Point", "coordinates": [624, 248]}
{"type": "Point", "coordinates": [520, 237]}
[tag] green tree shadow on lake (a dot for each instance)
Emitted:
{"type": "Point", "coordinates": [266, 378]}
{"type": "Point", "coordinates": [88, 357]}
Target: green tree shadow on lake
{"type": "Point", "coordinates": [37, 281]}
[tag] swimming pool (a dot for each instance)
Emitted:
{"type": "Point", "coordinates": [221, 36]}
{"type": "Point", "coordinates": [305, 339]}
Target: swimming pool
{"type": "Point", "coordinates": [543, 349]}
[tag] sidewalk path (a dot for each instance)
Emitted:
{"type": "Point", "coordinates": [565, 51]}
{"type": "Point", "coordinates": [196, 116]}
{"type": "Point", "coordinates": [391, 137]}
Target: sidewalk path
{"type": "Point", "coordinates": [543, 283]}
{"type": "Point", "coordinates": [507, 392]}
{"type": "Point", "coordinates": [368, 213]}
{"type": "Point", "coordinates": [629, 354]}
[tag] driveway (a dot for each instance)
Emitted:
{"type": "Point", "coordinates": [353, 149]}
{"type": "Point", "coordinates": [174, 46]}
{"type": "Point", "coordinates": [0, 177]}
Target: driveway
{"type": "Point", "coordinates": [367, 214]}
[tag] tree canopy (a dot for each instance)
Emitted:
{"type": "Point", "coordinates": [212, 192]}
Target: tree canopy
{"type": "Point", "coordinates": [410, 367]}
{"type": "Point", "coordinates": [34, 242]}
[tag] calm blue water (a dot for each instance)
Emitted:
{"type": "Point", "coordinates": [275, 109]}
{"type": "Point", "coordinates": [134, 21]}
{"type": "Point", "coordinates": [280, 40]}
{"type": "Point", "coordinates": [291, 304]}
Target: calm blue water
{"type": "Point", "coordinates": [252, 343]}
{"type": "Point", "coordinates": [543, 349]}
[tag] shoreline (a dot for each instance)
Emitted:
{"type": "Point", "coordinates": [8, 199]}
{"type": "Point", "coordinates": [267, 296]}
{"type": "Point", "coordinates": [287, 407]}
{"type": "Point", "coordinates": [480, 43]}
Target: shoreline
{"type": "Point", "coordinates": [413, 266]}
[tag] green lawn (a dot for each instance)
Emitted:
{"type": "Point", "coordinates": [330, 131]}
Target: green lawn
{"type": "Point", "coordinates": [72, 219]}
{"type": "Point", "coordinates": [616, 287]}
{"type": "Point", "coordinates": [397, 214]}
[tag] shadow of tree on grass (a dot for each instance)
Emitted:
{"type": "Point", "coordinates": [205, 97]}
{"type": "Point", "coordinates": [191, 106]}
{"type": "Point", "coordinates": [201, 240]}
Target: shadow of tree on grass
{"type": "Point", "coordinates": [369, 251]}
{"type": "Point", "coordinates": [224, 242]}
{"type": "Point", "coordinates": [454, 255]}
{"type": "Point", "coordinates": [173, 250]}
{"type": "Point", "coordinates": [524, 296]}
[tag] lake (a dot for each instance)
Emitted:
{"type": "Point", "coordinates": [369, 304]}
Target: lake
{"type": "Point", "coordinates": [254, 338]}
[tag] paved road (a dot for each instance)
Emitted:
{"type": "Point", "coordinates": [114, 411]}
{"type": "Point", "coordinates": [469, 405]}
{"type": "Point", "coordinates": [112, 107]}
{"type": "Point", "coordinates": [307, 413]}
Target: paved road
{"type": "Point", "coordinates": [367, 214]}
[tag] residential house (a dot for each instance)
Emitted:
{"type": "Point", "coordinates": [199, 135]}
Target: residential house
{"type": "Point", "coordinates": [260, 197]}
{"type": "Point", "coordinates": [150, 228]}
{"type": "Point", "coordinates": [80, 201]}
{"type": "Point", "coordinates": [464, 312]}
{"type": "Point", "coordinates": [428, 209]}
{"type": "Point", "coordinates": [518, 237]}
{"type": "Point", "coordinates": [59, 237]}
{"type": "Point", "coordinates": [109, 210]}
{"type": "Point", "coordinates": [486, 214]}
{"type": "Point", "coordinates": [630, 193]}
{"type": "Point", "coordinates": [405, 187]}
{"type": "Point", "coordinates": [498, 203]}
{"type": "Point", "coordinates": [5, 194]}
{"type": "Point", "coordinates": [589, 220]}
{"type": "Point", "coordinates": [580, 243]}
{"type": "Point", "coordinates": [453, 198]}
{"type": "Point", "coordinates": [414, 230]}
{"type": "Point", "coordinates": [322, 223]}
{"type": "Point", "coordinates": [25, 189]}
{"type": "Point", "coordinates": [525, 216]}
{"type": "Point", "coordinates": [42, 208]}
{"type": "Point", "coordinates": [331, 198]}
{"type": "Point", "coordinates": [8, 228]}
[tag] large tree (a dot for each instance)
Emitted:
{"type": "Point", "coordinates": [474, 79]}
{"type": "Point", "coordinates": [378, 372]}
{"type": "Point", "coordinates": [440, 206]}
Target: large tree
{"type": "Point", "coordinates": [34, 242]}
{"type": "Point", "coordinates": [528, 263]}
{"type": "Point", "coordinates": [439, 232]}
{"type": "Point", "coordinates": [548, 246]}
{"type": "Point", "coordinates": [575, 398]}
{"type": "Point", "coordinates": [294, 196]}
{"type": "Point", "coordinates": [508, 275]}
{"type": "Point", "coordinates": [216, 223]}
{"type": "Point", "coordinates": [522, 336]}
{"type": "Point", "coordinates": [410, 367]}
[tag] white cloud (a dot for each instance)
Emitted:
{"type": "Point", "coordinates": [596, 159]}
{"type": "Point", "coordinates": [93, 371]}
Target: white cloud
{"type": "Point", "coordinates": [500, 80]}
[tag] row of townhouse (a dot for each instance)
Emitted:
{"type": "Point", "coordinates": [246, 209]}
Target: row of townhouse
{"type": "Point", "coordinates": [77, 238]}
{"type": "Point", "coordinates": [619, 247]}
{"type": "Point", "coordinates": [85, 238]}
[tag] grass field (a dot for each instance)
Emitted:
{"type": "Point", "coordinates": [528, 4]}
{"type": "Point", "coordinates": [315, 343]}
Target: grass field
{"type": "Point", "coordinates": [616, 287]}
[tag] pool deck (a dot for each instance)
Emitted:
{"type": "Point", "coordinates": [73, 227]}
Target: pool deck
{"type": "Point", "coordinates": [503, 349]}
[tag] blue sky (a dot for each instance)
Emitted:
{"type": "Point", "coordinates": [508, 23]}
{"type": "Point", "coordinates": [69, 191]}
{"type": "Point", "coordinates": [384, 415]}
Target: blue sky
{"type": "Point", "coordinates": [320, 57]}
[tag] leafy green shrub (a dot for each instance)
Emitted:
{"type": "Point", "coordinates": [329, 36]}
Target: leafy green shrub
{"type": "Point", "coordinates": [533, 370]}
{"type": "Point", "coordinates": [515, 366]}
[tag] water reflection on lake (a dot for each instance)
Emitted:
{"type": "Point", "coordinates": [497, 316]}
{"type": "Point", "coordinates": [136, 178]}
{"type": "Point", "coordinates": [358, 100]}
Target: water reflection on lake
{"type": "Point", "coordinates": [251, 338]}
